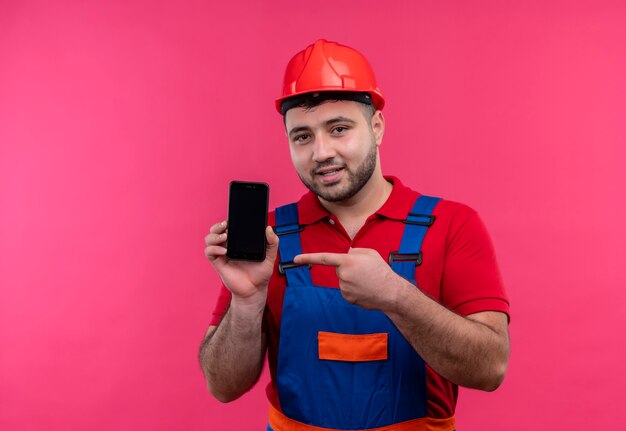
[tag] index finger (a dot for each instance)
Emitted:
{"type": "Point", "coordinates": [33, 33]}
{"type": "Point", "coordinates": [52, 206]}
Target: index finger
{"type": "Point", "coordinates": [219, 227]}
{"type": "Point", "coordinates": [328, 259]}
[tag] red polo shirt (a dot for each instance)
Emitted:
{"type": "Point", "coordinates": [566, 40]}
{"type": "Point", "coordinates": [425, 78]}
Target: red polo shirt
{"type": "Point", "coordinates": [459, 269]}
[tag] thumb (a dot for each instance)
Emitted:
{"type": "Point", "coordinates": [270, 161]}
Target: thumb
{"type": "Point", "coordinates": [272, 243]}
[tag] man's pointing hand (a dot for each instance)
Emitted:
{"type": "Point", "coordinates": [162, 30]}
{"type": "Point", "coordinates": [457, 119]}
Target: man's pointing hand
{"type": "Point", "coordinates": [365, 279]}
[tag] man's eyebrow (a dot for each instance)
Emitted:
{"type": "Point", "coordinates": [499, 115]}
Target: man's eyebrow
{"type": "Point", "coordinates": [330, 122]}
{"type": "Point", "coordinates": [339, 119]}
{"type": "Point", "coordinates": [298, 129]}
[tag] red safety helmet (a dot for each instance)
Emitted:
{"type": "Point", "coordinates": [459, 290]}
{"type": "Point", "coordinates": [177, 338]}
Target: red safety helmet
{"type": "Point", "coordinates": [329, 66]}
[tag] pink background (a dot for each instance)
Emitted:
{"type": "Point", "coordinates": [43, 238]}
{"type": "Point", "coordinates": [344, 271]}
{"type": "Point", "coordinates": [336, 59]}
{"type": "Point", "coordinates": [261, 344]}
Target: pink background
{"type": "Point", "coordinates": [122, 122]}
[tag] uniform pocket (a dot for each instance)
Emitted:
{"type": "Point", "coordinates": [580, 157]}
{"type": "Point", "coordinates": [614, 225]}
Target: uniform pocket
{"type": "Point", "coordinates": [352, 347]}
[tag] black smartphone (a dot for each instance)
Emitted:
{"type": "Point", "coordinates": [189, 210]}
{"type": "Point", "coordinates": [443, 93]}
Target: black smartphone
{"type": "Point", "coordinates": [247, 219]}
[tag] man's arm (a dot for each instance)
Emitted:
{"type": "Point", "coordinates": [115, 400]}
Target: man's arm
{"type": "Point", "coordinates": [470, 351]}
{"type": "Point", "coordinates": [231, 355]}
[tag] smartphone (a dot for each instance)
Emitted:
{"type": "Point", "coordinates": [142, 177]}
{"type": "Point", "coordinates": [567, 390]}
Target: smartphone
{"type": "Point", "coordinates": [247, 219]}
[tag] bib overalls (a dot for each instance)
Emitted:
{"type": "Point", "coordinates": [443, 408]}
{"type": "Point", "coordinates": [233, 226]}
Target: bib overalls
{"type": "Point", "coordinates": [340, 366]}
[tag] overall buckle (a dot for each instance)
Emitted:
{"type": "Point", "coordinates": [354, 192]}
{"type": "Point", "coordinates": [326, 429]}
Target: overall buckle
{"type": "Point", "coordinates": [299, 228]}
{"type": "Point", "coordinates": [282, 266]}
{"type": "Point", "coordinates": [430, 219]}
{"type": "Point", "coordinates": [394, 256]}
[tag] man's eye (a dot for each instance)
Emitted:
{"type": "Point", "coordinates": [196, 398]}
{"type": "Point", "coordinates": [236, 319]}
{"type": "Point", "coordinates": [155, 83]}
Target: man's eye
{"type": "Point", "coordinates": [340, 129]}
{"type": "Point", "coordinates": [301, 138]}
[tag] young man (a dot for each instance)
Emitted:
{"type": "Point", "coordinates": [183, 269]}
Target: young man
{"type": "Point", "coordinates": [376, 302]}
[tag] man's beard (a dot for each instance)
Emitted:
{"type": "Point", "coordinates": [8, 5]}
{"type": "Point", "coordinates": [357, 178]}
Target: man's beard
{"type": "Point", "coordinates": [356, 180]}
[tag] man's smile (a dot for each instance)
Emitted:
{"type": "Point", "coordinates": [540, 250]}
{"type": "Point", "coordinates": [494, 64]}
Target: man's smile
{"type": "Point", "coordinates": [330, 174]}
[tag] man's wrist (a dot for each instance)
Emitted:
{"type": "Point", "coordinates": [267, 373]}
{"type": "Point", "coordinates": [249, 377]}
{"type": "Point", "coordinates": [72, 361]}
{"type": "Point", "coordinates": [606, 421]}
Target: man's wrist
{"type": "Point", "coordinates": [398, 290]}
{"type": "Point", "coordinates": [249, 305]}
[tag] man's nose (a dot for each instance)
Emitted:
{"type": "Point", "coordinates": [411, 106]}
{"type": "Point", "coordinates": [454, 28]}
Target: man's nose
{"type": "Point", "coordinates": [324, 148]}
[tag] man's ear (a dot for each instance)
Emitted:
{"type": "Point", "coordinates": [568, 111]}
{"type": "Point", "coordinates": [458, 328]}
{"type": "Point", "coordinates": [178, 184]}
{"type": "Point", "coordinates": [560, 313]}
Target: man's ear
{"type": "Point", "coordinates": [378, 126]}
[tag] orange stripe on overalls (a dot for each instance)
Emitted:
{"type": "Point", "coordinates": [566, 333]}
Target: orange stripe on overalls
{"type": "Point", "coordinates": [280, 422]}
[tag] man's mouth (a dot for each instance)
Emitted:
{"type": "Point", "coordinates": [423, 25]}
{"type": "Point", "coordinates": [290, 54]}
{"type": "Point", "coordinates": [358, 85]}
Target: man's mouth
{"type": "Point", "coordinates": [326, 172]}
{"type": "Point", "coordinates": [330, 175]}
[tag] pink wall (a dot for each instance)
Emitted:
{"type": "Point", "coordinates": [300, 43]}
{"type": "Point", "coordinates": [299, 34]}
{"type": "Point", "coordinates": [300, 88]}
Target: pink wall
{"type": "Point", "coordinates": [121, 124]}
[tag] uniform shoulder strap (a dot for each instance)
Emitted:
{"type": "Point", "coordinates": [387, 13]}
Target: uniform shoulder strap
{"type": "Point", "coordinates": [288, 230]}
{"type": "Point", "coordinates": [409, 255]}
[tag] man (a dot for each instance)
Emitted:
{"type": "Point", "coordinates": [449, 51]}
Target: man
{"type": "Point", "coordinates": [352, 342]}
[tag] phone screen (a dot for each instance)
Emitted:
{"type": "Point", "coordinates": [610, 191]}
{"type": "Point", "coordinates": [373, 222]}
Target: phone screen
{"type": "Point", "coordinates": [247, 219]}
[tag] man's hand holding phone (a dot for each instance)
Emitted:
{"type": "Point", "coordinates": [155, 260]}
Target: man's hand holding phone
{"type": "Point", "coordinates": [241, 253]}
{"type": "Point", "coordinates": [247, 280]}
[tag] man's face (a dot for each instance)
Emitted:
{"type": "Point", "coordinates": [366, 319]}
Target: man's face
{"type": "Point", "coordinates": [333, 148]}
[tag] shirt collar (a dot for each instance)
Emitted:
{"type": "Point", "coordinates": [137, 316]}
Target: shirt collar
{"type": "Point", "coordinates": [310, 210]}
{"type": "Point", "coordinates": [397, 205]}
{"type": "Point", "coordinates": [399, 202]}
